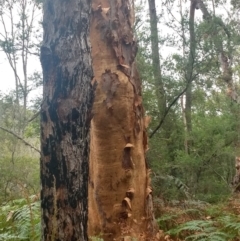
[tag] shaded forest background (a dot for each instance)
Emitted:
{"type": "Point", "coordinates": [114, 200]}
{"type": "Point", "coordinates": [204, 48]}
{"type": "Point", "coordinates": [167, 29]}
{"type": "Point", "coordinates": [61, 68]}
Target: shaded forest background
{"type": "Point", "coordinates": [191, 101]}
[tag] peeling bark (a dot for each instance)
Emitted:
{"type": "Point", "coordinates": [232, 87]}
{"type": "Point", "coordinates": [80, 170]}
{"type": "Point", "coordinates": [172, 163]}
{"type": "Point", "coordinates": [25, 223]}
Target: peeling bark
{"type": "Point", "coordinates": [65, 119]}
{"type": "Point", "coordinates": [119, 184]}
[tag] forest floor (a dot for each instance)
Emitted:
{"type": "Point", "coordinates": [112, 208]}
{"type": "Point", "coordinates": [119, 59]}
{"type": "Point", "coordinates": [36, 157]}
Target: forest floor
{"type": "Point", "coordinates": [195, 220]}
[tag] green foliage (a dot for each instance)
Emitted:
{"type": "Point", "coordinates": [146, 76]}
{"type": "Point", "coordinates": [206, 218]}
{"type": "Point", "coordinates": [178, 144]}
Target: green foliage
{"type": "Point", "coordinates": [169, 221]}
{"type": "Point", "coordinates": [171, 181]}
{"type": "Point", "coordinates": [19, 165]}
{"type": "Point", "coordinates": [18, 177]}
{"type": "Point", "coordinates": [212, 222]}
{"type": "Point", "coordinates": [201, 229]}
{"type": "Point", "coordinates": [231, 224]}
{"type": "Point", "coordinates": [224, 229]}
{"type": "Point", "coordinates": [20, 220]}
{"type": "Point", "coordinates": [208, 168]}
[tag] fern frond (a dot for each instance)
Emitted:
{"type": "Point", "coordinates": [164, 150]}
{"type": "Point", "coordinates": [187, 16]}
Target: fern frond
{"type": "Point", "coordinates": [20, 221]}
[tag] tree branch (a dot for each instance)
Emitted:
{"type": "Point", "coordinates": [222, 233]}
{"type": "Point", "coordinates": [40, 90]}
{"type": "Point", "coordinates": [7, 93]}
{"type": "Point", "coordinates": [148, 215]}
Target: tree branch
{"type": "Point", "coordinates": [34, 116]}
{"type": "Point", "coordinates": [20, 138]}
{"type": "Point", "coordinates": [170, 106]}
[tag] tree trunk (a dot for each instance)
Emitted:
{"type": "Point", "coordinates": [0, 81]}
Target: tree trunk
{"type": "Point", "coordinates": [65, 119]}
{"type": "Point", "coordinates": [120, 200]}
{"type": "Point", "coordinates": [160, 93]}
{"type": "Point", "coordinates": [236, 179]}
{"type": "Point", "coordinates": [189, 76]}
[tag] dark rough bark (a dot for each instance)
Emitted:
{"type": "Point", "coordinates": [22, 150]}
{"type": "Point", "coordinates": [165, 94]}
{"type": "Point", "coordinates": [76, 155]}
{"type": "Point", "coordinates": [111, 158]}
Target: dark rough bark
{"type": "Point", "coordinates": [65, 119]}
{"type": "Point", "coordinates": [156, 59]}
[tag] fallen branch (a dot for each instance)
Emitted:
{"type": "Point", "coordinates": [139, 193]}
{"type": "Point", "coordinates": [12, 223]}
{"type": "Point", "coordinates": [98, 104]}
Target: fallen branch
{"type": "Point", "coordinates": [20, 138]}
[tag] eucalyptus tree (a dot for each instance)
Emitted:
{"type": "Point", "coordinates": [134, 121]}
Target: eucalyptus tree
{"type": "Point", "coordinates": [120, 195]}
{"type": "Point", "coordinates": [65, 119]}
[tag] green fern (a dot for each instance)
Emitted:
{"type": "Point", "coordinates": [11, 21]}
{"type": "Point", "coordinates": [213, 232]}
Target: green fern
{"type": "Point", "coordinates": [169, 221]}
{"type": "Point", "coordinates": [209, 236]}
{"type": "Point", "coordinates": [195, 225]}
{"type": "Point", "coordinates": [231, 224]}
{"type": "Point", "coordinates": [166, 222]}
{"type": "Point", "coordinates": [20, 220]}
{"type": "Point", "coordinates": [222, 229]}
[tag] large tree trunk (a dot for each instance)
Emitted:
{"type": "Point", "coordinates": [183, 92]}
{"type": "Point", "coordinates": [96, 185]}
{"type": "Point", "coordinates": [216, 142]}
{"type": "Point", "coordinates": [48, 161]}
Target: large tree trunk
{"type": "Point", "coordinates": [120, 201]}
{"type": "Point", "coordinates": [65, 119]}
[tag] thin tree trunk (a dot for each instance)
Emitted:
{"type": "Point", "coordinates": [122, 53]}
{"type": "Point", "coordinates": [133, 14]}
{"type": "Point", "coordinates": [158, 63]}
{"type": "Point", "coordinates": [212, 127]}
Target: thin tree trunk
{"type": "Point", "coordinates": [156, 59]}
{"type": "Point", "coordinates": [184, 122]}
{"type": "Point", "coordinates": [236, 179]}
{"type": "Point", "coordinates": [24, 60]}
{"type": "Point", "coordinates": [65, 119]}
{"type": "Point", "coordinates": [189, 75]}
{"type": "Point", "coordinates": [120, 200]}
